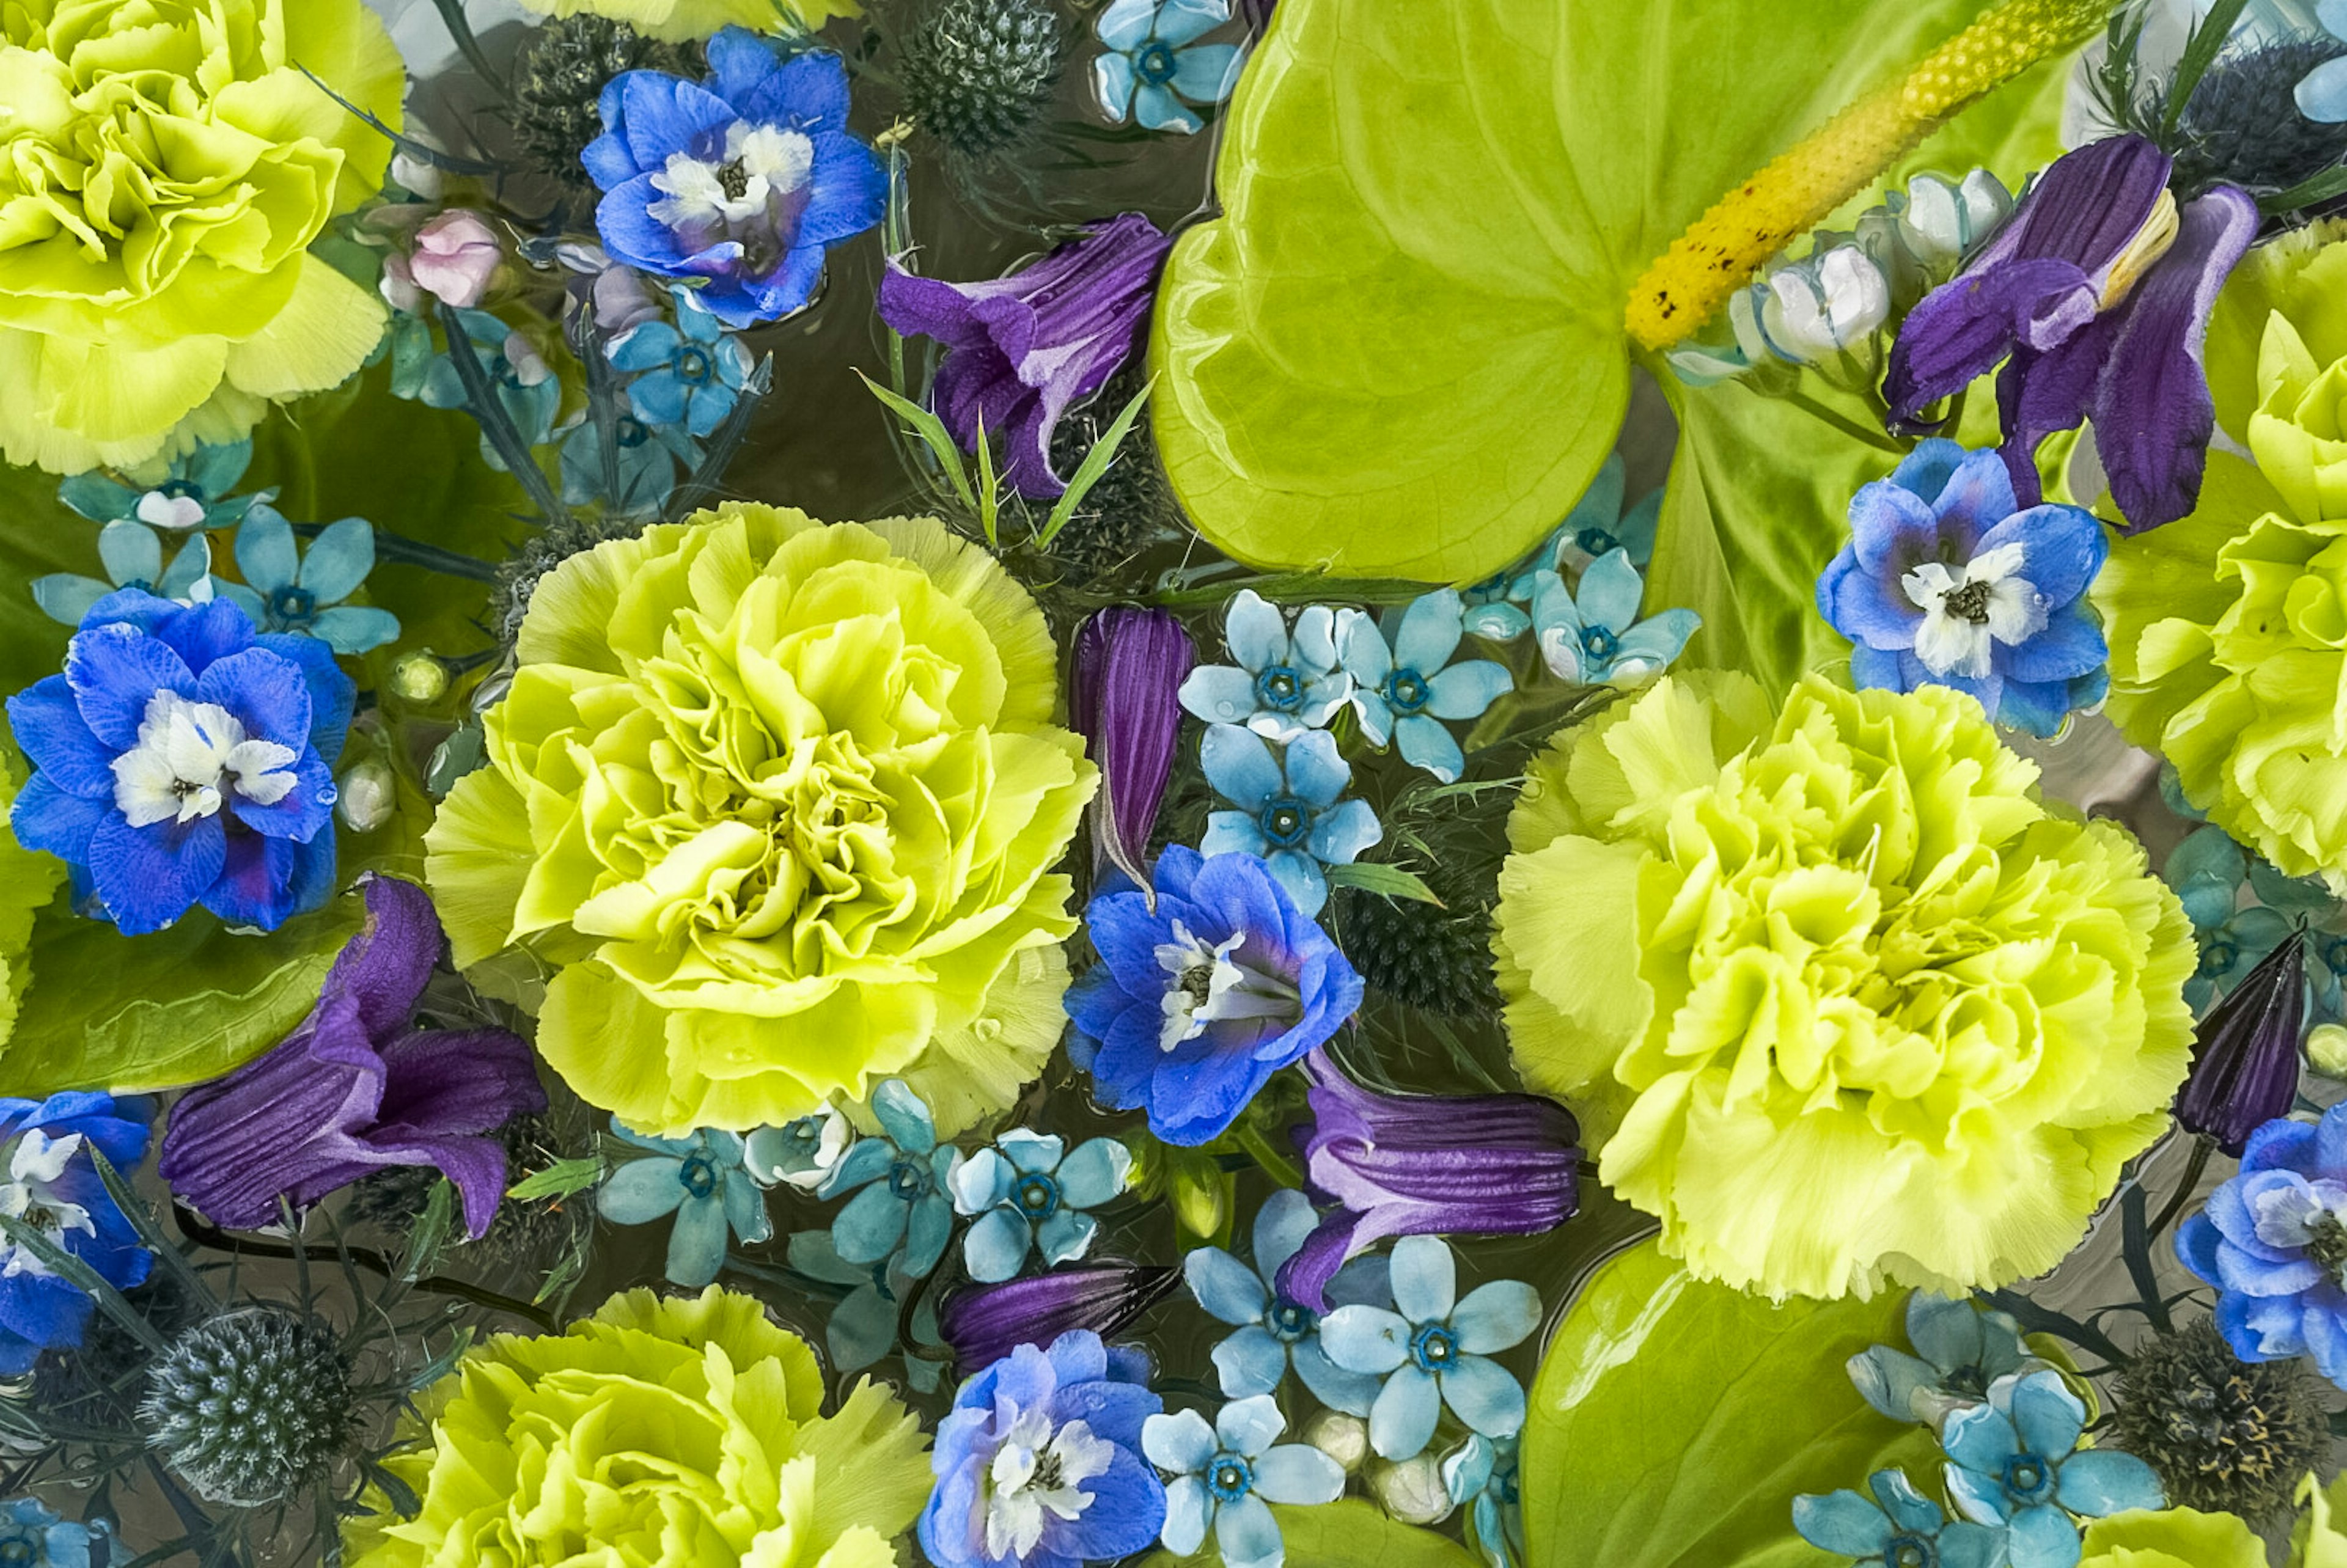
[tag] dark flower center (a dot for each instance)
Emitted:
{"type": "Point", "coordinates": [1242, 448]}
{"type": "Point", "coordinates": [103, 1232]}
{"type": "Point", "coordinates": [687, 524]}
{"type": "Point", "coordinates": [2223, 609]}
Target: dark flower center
{"type": "Point", "coordinates": [1407, 690]}
{"type": "Point", "coordinates": [2326, 1245]}
{"type": "Point", "coordinates": [2218, 957]}
{"type": "Point", "coordinates": [1197, 982]}
{"type": "Point", "coordinates": [908, 1179]}
{"type": "Point", "coordinates": [1435, 1348]}
{"type": "Point", "coordinates": [18, 1550]}
{"type": "Point", "coordinates": [2027, 1476]}
{"type": "Point", "coordinates": [1154, 65]}
{"type": "Point", "coordinates": [1969, 1380]}
{"type": "Point", "coordinates": [1286, 821]}
{"type": "Point", "coordinates": [1969, 602]}
{"type": "Point", "coordinates": [1046, 1477]}
{"type": "Point", "coordinates": [2333, 953]}
{"type": "Point", "coordinates": [1289, 1320]}
{"type": "Point", "coordinates": [1038, 1197]}
{"type": "Point", "coordinates": [172, 490]}
{"type": "Point", "coordinates": [1229, 1476]}
{"type": "Point", "coordinates": [1910, 1551]}
{"type": "Point", "coordinates": [699, 1175]}
{"type": "Point", "coordinates": [1599, 643]}
{"type": "Point", "coordinates": [1279, 686]}
{"type": "Point", "coordinates": [630, 432]}
{"type": "Point", "coordinates": [733, 180]}
{"type": "Point", "coordinates": [290, 606]}
{"type": "Point", "coordinates": [695, 366]}
{"type": "Point", "coordinates": [1596, 541]}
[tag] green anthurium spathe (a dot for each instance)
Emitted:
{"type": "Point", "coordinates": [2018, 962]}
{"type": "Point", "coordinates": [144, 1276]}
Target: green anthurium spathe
{"type": "Point", "coordinates": [1401, 350]}
{"type": "Point", "coordinates": [1350, 1533]}
{"type": "Point", "coordinates": [1642, 1445]}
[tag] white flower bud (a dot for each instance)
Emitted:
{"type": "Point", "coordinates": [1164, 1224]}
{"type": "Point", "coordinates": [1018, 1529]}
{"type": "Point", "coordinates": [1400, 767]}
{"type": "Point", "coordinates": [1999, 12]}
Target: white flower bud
{"type": "Point", "coordinates": [801, 1154]}
{"type": "Point", "coordinates": [1342, 1437]}
{"type": "Point", "coordinates": [1940, 223]}
{"type": "Point", "coordinates": [1413, 1490]}
{"type": "Point", "coordinates": [1817, 309]}
{"type": "Point", "coordinates": [366, 794]}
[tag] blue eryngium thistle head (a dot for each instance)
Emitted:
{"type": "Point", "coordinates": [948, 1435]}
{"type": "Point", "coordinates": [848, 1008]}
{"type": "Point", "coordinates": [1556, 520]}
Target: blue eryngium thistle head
{"type": "Point", "coordinates": [978, 75]}
{"type": "Point", "coordinates": [250, 1406]}
{"type": "Point", "coordinates": [2245, 1052]}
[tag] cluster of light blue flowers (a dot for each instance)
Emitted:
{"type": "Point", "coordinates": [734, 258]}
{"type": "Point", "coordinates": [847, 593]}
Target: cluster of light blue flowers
{"type": "Point", "coordinates": [680, 382]}
{"type": "Point", "coordinates": [2242, 909]}
{"type": "Point", "coordinates": [1275, 1332]}
{"type": "Point", "coordinates": [1226, 1475]}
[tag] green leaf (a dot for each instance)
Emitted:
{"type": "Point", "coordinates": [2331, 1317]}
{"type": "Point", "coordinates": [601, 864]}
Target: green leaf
{"type": "Point", "coordinates": [933, 432]}
{"type": "Point", "coordinates": [1673, 1422]}
{"type": "Point", "coordinates": [1350, 1533]}
{"type": "Point", "coordinates": [1378, 877]}
{"type": "Point", "coordinates": [1399, 350]}
{"type": "Point", "coordinates": [559, 1180]}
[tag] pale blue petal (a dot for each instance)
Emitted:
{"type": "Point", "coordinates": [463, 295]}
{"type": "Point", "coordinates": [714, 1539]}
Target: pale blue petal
{"type": "Point", "coordinates": [1286, 1218]}
{"type": "Point", "coordinates": [1240, 766]}
{"type": "Point", "coordinates": [1657, 641]}
{"type": "Point", "coordinates": [870, 1226]}
{"type": "Point", "coordinates": [996, 1245]}
{"type": "Point", "coordinates": [1299, 878]}
{"type": "Point", "coordinates": [745, 1209]}
{"type": "Point", "coordinates": [1610, 591]}
{"type": "Point", "coordinates": [2333, 15]}
{"type": "Point", "coordinates": [1361, 649]}
{"type": "Point", "coordinates": [66, 599]}
{"type": "Point", "coordinates": [2046, 1415]}
{"type": "Point", "coordinates": [190, 567]}
{"type": "Point", "coordinates": [1127, 24]}
{"type": "Point", "coordinates": [866, 1160]}
{"type": "Point", "coordinates": [1180, 1442]}
{"type": "Point", "coordinates": [1095, 1173]}
{"type": "Point", "coordinates": [1339, 836]}
{"type": "Point", "coordinates": [696, 1246]}
{"type": "Point", "coordinates": [641, 1191]}
{"type": "Point", "coordinates": [1425, 744]}
{"type": "Point", "coordinates": [1841, 1522]}
{"type": "Point", "coordinates": [1157, 108]}
{"type": "Point", "coordinates": [927, 1231]}
{"type": "Point", "coordinates": [1179, 21]}
{"type": "Point", "coordinates": [1429, 633]}
{"type": "Point", "coordinates": [812, 1252]}
{"type": "Point", "coordinates": [1466, 688]}
{"type": "Point", "coordinates": [1376, 715]}
{"type": "Point", "coordinates": [1113, 84]}
{"type": "Point", "coordinates": [1249, 1426]}
{"type": "Point", "coordinates": [1316, 773]}
{"type": "Point", "coordinates": [1031, 1153]}
{"type": "Point", "coordinates": [1253, 1361]}
{"type": "Point", "coordinates": [1223, 1286]}
{"type": "Point", "coordinates": [2321, 93]}
{"type": "Point", "coordinates": [1247, 1535]}
{"type": "Point", "coordinates": [1365, 1340]}
{"type": "Point", "coordinates": [1498, 621]}
{"type": "Point", "coordinates": [1496, 1317]}
{"type": "Point", "coordinates": [2044, 1538]}
{"type": "Point", "coordinates": [1403, 1417]}
{"type": "Point", "coordinates": [1256, 632]}
{"type": "Point", "coordinates": [1219, 693]}
{"type": "Point", "coordinates": [1485, 1395]}
{"type": "Point", "coordinates": [1188, 1506]}
{"type": "Point", "coordinates": [1233, 833]}
{"type": "Point", "coordinates": [981, 1182]}
{"type": "Point", "coordinates": [1066, 1235]}
{"type": "Point", "coordinates": [1352, 1392]}
{"type": "Point", "coordinates": [354, 628]}
{"type": "Point", "coordinates": [265, 552]}
{"type": "Point", "coordinates": [130, 553]}
{"type": "Point", "coordinates": [339, 560]}
{"type": "Point", "coordinates": [862, 1329]}
{"type": "Point", "coordinates": [1298, 1473]}
{"type": "Point", "coordinates": [1425, 1280]}
{"type": "Point", "coordinates": [2099, 1482]}
{"type": "Point", "coordinates": [904, 1118]}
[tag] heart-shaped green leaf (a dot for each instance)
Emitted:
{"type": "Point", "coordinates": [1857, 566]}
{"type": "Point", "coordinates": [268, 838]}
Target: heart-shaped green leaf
{"type": "Point", "coordinates": [1347, 1533]}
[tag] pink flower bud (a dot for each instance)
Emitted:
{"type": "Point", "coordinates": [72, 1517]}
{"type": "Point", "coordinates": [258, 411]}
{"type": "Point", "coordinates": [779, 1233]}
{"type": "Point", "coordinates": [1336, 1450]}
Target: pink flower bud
{"type": "Point", "coordinates": [456, 254]}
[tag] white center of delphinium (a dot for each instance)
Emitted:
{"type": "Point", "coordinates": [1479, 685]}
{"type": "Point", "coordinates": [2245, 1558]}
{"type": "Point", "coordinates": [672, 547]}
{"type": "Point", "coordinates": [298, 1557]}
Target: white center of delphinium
{"type": "Point", "coordinates": [187, 754]}
{"type": "Point", "coordinates": [1982, 602]}
{"type": "Point", "coordinates": [28, 1197]}
{"type": "Point", "coordinates": [760, 161]}
{"type": "Point", "coordinates": [1208, 988]}
{"type": "Point", "coordinates": [1037, 1472]}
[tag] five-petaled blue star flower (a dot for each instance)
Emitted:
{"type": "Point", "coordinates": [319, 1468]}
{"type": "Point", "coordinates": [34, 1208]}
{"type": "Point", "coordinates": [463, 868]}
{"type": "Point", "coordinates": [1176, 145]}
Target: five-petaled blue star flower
{"type": "Point", "coordinates": [1595, 527]}
{"type": "Point", "coordinates": [132, 555]}
{"type": "Point", "coordinates": [1483, 1476]}
{"type": "Point", "coordinates": [2207, 870]}
{"type": "Point", "coordinates": [1029, 1190]}
{"type": "Point", "coordinates": [2015, 1461]}
{"type": "Point", "coordinates": [1152, 62]}
{"type": "Point", "coordinates": [1404, 684]}
{"type": "Point", "coordinates": [1594, 634]}
{"type": "Point", "coordinates": [1291, 814]}
{"type": "Point", "coordinates": [1283, 685]}
{"type": "Point", "coordinates": [1273, 1330]}
{"type": "Point", "coordinates": [689, 375]}
{"type": "Point", "coordinates": [701, 1181]}
{"type": "Point", "coordinates": [906, 1196]}
{"type": "Point", "coordinates": [1899, 1527]}
{"type": "Point", "coordinates": [194, 493]}
{"type": "Point", "coordinates": [1225, 1474]}
{"type": "Point", "coordinates": [287, 590]}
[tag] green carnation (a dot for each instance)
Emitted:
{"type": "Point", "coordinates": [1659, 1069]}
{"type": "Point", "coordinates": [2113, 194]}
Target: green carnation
{"type": "Point", "coordinates": [168, 163]}
{"type": "Point", "coordinates": [2171, 1538]}
{"type": "Point", "coordinates": [659, 1433]}
{"type": "Point", "coordinates": [773, 808]}
{"type": "Point", "coordinates": [2228, 629]}
{"type": "Point", "coordinates": [1842, 999]}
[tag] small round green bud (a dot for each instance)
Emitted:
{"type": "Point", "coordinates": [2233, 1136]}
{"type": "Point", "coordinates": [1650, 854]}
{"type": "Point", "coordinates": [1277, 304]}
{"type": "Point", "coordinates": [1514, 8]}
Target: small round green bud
{"type": "Point", "coordinates": [420, 676]}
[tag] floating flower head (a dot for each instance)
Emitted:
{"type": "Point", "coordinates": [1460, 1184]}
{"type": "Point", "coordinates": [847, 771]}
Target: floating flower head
{"type": "Point", "coordinates": [357, 1088]}
{"type": "Point", "coordinates": [1435, 1349]}
{"type": "Point", "coordinates": [1960, 1349]}
{"type": "Point", "coordinates": [1405, 684]}
{"type": "Point", "coordinates": [1151, 61]}
{"type": "Point", "coordinates": [905, 1177]}
{"type": "Point", "coordinates": [49, 1182]}
{"type": "Point", "coordinates": [1948, 581]}
{"type": "Point", "coordinates": [1038, 1464]}
{"type": "Point", "coordinates": [1283, 682]}
{"type": "Point", "coordinates": [1592, 634]}
{"type": "Point", "coordinates": [2221, 1432]}
{"type": "Point", "coordinates": [288, 589]}
{"type": "Point", "coordinates": [1878, 835]}
{"type": "Point", "coordinates": [35, 1535]}
{"type": "Point", "coordinates": [776, 806]}
{"type": "Point", "coordinates": [1197, 1000]}
{"type": "Point", "coordinates": [1898, 1526]}
{"type": "Point", "coordinates": [1029, 1191]}
{"type": "Point", "coordinates": [1226, 1475]}
{"type": "Point", "coordinates": [181, 759]}
{"type": "Point", "coordinates": [801, 1154]}
{"type": "Point", "coordinates": [2273, 1240]}
{"type": "Point", "coordinates": [194, 492]}
{"type": "Point", "coordinates": [169, 165]}
{"type": "Point", "coordinates": [1275, 1330]}
{"type": "Point", "coordinates": [741, 181]}
{"type": "Point", "coordinates": [1292, 815]}
{"type": "Point", "coordinates": [1022, 350]}
{"type": "Point", "coordinates": [689, 375]}
{"type": "Point", "coordinates": [1130, 666]}
{"type": "Point", "coordinates": [732, 1460]}
{"type": "Point", "coordinates": [2095, 297]}
{"type": "Point", "coordinates": [700, 1181]}
{"type": "Point", "coordinates": [2014, 1461]}
{"type": "Point", "coordinates": [250, 1406]}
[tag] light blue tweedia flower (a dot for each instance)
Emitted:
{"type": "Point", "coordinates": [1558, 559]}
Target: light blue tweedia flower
{"type": "Point", "coordinates": [907, 1196]}
{"type": "Point", "coordinates": [2014, 1461]}
{"type": "Point", "coordinates": [1283, 685]}
{"type": "Point", "coordinates": [518, 376]}
{"type": "Point", "coordinates": [1153, 61]}
{"type": "Point", "coordinates": [33, 1535]}
{"type": "Point", "coordinates": [1028, 1190]}
{"type": "Point", "coordinates": [1291, 814]}
{"type": "Point", "coordinates": [192, 494]}
{"type": "Point", "coordinates": [286, 589]}
{"type": "Point", "coordinates": [1959, 1350]}
{"type": "Point", "coordinates": [2321, 93]}
{"type": "Point", "coordinates": [1595, 527]}
{"type": "Point", "coordinates": [645, 457]}
{"type": "Point", "coordinates": [1225, 1474]}
{"type": "Point", "coordinates": [864, 1327]}
{"type": "Point", "coordinates": [798, 1153]}
{"type": "Point", "coordinates": [1594, 635]}
{"type": "Point", "coordinates": [690, 374]}
{"type": "Point", "coordinates": [1272, 1331]}
{"type": "Point", "coordinates": [701, 1181]}
{"type": "Point", "coordinates": [1485, 1471]}
{"type": "Point", "coordinates": [132, 557]}
{"type": "Point", "coordinates": [1434, 1349]}
{"type": "Point", "coordinates": [2207, 870]}
{"type": "Point", "coordinates": [1405, 686]}
{"type": "Point", "coordinates": [1898, 1526]}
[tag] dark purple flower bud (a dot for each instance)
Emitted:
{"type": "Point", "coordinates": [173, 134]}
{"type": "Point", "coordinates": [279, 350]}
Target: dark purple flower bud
{"type": "Point", "coordinates": [984, 1323]}
{"type": "Point", "coordinates": [2095, 297]}
{"type": "Point", "coordinates": [1426, 1164]}
{"type": "Point", "coordinates": [2245, 1053]}
{"type": "Point", "coordinates": [1020, 350]}
{"type": "Point", "coordinates": [1126, 698]}
{"type": "Point", "coordinates": [356, 1088]}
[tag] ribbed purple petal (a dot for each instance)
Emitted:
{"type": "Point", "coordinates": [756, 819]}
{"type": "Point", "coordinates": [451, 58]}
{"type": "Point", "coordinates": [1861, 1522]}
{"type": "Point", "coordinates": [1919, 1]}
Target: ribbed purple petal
{"type": "Point", "coordinates": [1129, 668]}
{"type": "Point", "coordinates": [2245, 1053]}
{"type": "Point", "coordinates": [983, 1324]}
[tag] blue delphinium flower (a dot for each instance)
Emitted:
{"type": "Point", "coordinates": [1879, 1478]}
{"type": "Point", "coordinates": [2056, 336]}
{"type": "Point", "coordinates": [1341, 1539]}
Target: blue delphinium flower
{"type": "Point", "coordinates": [1291, 811]}
{"type": "Point", "coordinates": [1959, 1350]}
{"type": "Point", "coordinates": [701, 1181]}
{"type": "Point", "coordinates": [737, 182]}
{"type": "Point", "coordinates": [51, 1185]}
{"type": "Point", "coordinates": [2273, 1240]}
{"type": "Point", "coordinates": [287, 590]}
{"type": "Point", "coordinates": [1225, 1474]}
{"type": "Point", "coordinates": [182, 759]}
{"type": "Point", "coordinates": [519, 379]}
{"type": "Point", "coordinates": [1283, 685]}
{"type": "Point", "coordinates": [1592, 634]}
{"type": "Point", "coordinates": [1029, 1190]}
{"type": "Point", "coordinates": [1038, 1463]}
{"type": "Point", "coordinates": [2207, 870]}
{"type": "Point", "coordinates": [1274, 1329]}
{"type": "Point", "coordinates": [646, 457]}
{"type": "Point", "coordinates": [1948, 580]}
{"type": "Point", "coordinates": [1404, 684]}
{"type": "Point", "coordinates": [132, 555]}
{"type": "Point", "coordinates": [2013, 1460]}
{"type": "Point", "coordinates": [34, 1536]}
{"type": "Point", "coordinates": [1485, 1472]}
{"type": "Point", "coordinates": [193, 493]}
{"type": "Point", "coordinates": [906, 1196]}
{"type": "Point", "coordinates": [1434, 1349]}
{"type": "Point", "coordinates": [1899, 1527]}
{"type": "Point", "coordinates": [1152, 63]}
{"type": "Point", "coordinates": [1197, 1000]}
{"type": "Point", "coordinates": [690, 374]}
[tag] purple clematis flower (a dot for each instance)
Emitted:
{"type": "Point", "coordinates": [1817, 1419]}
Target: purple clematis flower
{"type": "Point", "coordinates": [740, 181]}
{"type": "Point", "coordinates": [357, 1087]}
{"type": "Point", "coordinates": [1412, 1164]}
{"type": "Point", "coordinates": [2096, 297]}
{"type": "Point", "coordinates": [1125, 698]}
{"type": "Point", "coordinates": [183, 759]}
{"type": "Point", "coordinates": [1020, 350]}
{"type": "Point", "coordinates": [1947, 582]}
{"type": "Point", "coordinates": [985, 1323]}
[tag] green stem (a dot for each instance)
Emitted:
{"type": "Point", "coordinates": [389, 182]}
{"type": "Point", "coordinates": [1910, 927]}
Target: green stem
{"type": "Point", "coordinates": [1843, 423]}
{"type": "Point", "coordinates": [1275, 1165]}
{"type": "Point", "coordinates": [2198, 1163]}
{"type": "Point", "coordinates": [208, 1234]}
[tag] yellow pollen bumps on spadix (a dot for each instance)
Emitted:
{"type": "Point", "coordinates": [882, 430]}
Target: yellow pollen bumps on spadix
{"type": "Point", "coordinates": [1688, 282]}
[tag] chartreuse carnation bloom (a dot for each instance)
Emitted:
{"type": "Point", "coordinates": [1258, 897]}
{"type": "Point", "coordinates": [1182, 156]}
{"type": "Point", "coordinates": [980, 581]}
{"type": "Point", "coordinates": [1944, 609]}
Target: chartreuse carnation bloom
{"type": "Point", "coordinates": [2172, 1538]}
{"type": "Point", "coordinates": [2228, 629]}
{"type": "Point", "coordinates": [682, 1432]}
{"type": "Point", "coordinates": [675, 21]}
{"type": "Point", "coordinates": [169, 163]}
{"type": "Point", "coordinates": [1847, 947]}
{"type": "Point", "coordinates": [775, 805]}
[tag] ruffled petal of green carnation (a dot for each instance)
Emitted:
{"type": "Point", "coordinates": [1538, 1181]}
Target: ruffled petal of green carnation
{"type": "Point", "coordinates": [772, 810]}
{"type": "Point", "coordinates": [676, 21]}
{"type": "Point", "coordinates": [1841, 1000]}
{"type": "Point", "coordinates": [2172, 1538]}
{"type": "Point", "coordinates": [683, 1432]}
